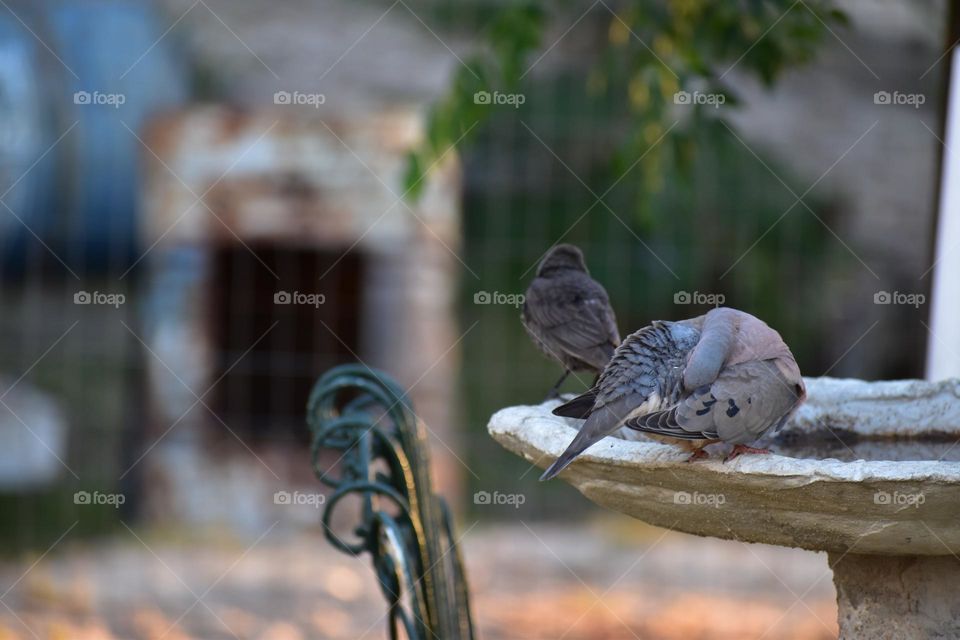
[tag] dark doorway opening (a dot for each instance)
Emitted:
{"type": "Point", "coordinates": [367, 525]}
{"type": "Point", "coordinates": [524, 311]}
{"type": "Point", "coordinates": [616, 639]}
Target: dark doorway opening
{"type": "Point", "coordinates": [275, 333]}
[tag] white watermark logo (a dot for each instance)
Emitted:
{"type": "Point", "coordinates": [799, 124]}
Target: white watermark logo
{"type": "Point", "coordinates": [715, 500]}
{"type": "Point", "coordinates": [495, 297]}
{"type": "Point", "coordinates": [698, 97]}
{"type": "Point", "coordinates": [698, 297]}
{"type": "Point", "coordinates": [497, 498]}
{"type": "Point", "coordinates": [909, 99]}
{"type": "Point", "coordinates": [296, 297]}
{"type": "Point", "coordinates": [88, 498]}
{"type": "Point", "coordinates": [911, 299]}
{"type": "Point", "coordinates": [512, 99]}
{"type": "Point", "coordinates": [99, 297]}
{"type": "Point", "coordinates": [114, 100]}
{"type": "Point", "coordinates": [314, 500]}
{"type": "Point", "coordinates": [898, 499]}
{"type": "Point", "coordinates": [299, 98]}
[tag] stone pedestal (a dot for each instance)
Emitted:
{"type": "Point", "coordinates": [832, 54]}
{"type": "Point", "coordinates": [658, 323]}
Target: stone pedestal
{"type": "Point", "coordinates": [894, 597]}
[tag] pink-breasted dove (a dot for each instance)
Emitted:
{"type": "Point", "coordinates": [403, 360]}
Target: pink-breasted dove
{"type": "Point", "coordinates": [724, 376]}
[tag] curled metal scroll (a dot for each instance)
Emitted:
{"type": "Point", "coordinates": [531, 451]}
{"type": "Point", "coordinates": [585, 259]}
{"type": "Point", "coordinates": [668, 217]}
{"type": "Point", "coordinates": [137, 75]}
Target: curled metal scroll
{"type": "Point", "coordinates": [366, 418]}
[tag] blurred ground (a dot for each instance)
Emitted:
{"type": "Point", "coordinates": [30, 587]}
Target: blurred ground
{"type": "Point", "coordinates": [616, 579]}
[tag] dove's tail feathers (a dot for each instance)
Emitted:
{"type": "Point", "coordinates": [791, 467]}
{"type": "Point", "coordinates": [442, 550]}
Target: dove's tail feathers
{"type": "Point", "coordinates": [560, 464]}
{"type": "Point", "coordinates": [583, 440]}
{"type": "Point", "coordinates": [600, 424]}
{"type": "Point", "coordinates": [580, 407]}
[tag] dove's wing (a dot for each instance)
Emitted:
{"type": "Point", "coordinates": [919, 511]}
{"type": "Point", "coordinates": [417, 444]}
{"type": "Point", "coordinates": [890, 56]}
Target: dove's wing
{"type": "Point", "coordinates": [649, 362]}
{"type": "Point", "coordinates": [645, 375]}
{"type": "Point", "coordinates": [738, 407]}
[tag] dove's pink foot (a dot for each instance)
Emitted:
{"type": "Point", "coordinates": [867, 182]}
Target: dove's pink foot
{"type": "Point", "coordinates": [740, 449]}
{"type": "Point", "coordinates": [698, 454]}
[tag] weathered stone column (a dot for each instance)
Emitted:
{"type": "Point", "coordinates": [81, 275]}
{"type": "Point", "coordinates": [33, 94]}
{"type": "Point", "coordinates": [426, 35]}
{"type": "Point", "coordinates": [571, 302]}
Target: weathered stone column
{"type": "Point", "coordinates": [880, 597]}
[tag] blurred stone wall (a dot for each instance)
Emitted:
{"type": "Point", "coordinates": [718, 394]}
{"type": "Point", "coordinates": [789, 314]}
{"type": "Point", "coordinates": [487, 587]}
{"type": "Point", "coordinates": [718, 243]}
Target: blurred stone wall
{"type": "Point", "coordinates": [280, 177]}
{"type": "Point", "coordinates": [885, 182]}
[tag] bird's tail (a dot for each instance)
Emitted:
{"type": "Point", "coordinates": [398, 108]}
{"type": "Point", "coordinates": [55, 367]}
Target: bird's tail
{"type": "Point", "coordinates": [561, 463]}
{"type": "Point", "coordinates": [599, 425]}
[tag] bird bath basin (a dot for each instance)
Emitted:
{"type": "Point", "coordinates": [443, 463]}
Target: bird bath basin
{"type": "Point", "coordinates": [865, 471]}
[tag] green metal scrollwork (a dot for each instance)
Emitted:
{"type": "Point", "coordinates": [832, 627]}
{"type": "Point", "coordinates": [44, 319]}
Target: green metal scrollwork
{"type": "Point", "coordinates": [406, 528]}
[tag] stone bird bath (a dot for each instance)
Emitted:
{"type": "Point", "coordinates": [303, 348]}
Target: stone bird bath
{"type": "Point", "coordinates": [865, 471]}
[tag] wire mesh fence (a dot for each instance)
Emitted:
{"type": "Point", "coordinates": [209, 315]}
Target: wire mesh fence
{"type": "Point", "coordinates": [546, 170]}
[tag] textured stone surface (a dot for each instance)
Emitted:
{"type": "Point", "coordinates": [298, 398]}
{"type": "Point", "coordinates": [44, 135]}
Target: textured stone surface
{"type": "Point", "coordinates": [895, 408]}
{"type": "Point", "coordinates": [897, 597]}
{"type": "Point", "coordinates": [869, 507]}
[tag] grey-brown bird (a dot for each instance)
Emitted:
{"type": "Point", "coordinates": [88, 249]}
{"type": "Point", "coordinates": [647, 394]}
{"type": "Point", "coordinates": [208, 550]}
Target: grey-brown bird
{"type": "Point", "coordinates": [724, 376]}
{"type": "Point", "coordinates": [567, 314]}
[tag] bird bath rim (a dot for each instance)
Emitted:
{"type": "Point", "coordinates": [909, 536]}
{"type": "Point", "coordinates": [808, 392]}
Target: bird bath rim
{"type": "Point", "coordinates": [869, 507]}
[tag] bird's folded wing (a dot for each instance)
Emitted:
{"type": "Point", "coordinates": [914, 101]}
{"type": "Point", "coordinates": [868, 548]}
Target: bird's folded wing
{"type": "Point", "coordinates": [579, 320]}
{"type": "Point", "coordinates": [744, 401]}
{"type": "Point", "coordinates": [650, 361]}
{"type": "Point", "coordinates": [666, 423]}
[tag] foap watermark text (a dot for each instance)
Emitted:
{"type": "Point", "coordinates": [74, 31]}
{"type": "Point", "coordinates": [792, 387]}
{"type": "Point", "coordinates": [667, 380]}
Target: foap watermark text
{"type": "Point", "coordinates": [99, 297]}
{"type": "Point", "coordinates": [699, 97]}
{"type": "Point", "coordinates": [98, 498]}
{"type": "Point", "coordinates": [699, 297]}
{"type": "Point", "coordinates": [900, 499]}
{"type": "Point", "coordinates": [497, 98]}
{"type": "Point", "coordinates": [297, 297]}
{"type": "Point", "coordinates": [299, 98]}
{"type": "Point", "coordinates": [910, 299]}
{"type": "Point", "coordinates": [696, 498]}
{"type": "Point", "coordinates": [115, 100]}
{"type": "Point", "coordinates": [496, 297]}
{"type": "Point", "coordinates": [295, 498]}
{"type": "Point", "coordinates": [497, 498]}
{"type": "Point", "coordinates": [895, 97]}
